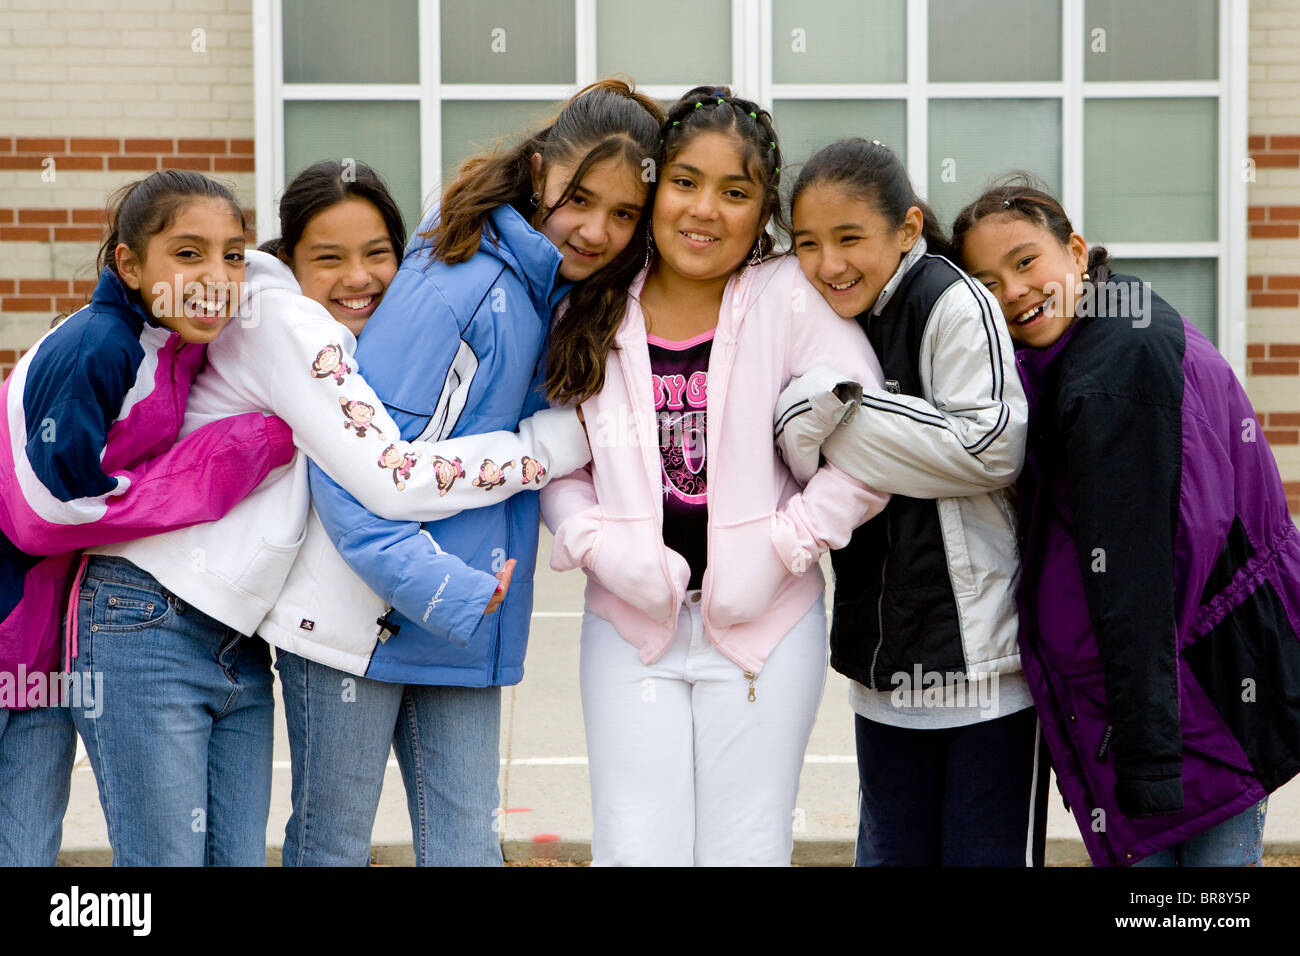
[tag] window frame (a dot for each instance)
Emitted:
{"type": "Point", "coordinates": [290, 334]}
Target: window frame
{"type": "Point", "coordinates": [752, 63]}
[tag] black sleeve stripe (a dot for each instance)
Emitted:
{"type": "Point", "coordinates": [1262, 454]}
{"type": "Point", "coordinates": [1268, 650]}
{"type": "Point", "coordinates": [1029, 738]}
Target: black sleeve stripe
{"type": "Point", "coordinates": [906, 411]}
{"type": "Point", "coordinates": [795, 410]}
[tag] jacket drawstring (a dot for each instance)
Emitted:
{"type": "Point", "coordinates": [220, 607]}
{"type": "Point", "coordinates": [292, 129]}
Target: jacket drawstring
{"type": "Point", "coordinates": [70, 649]}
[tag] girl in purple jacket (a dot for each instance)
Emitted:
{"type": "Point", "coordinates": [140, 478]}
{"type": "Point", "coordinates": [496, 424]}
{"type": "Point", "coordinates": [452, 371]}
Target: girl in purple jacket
{"type": "Point", "coordinates": [1160, 594]}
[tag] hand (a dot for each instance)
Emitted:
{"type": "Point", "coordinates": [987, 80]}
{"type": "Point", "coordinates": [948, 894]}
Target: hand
{"type": "Point", "coordinates": [504, 576]}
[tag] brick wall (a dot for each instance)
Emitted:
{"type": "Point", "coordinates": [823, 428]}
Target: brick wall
{"type": "Point", "coordinates": [1273, 247]}
{"type": "Point", "coordinates": [94, 94]}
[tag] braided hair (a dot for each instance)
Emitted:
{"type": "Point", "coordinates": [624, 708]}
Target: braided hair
{"type": "Point", "coordinates": [715, 109]}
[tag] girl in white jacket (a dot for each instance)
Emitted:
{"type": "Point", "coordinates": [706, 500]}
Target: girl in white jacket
{"type": "Point", "coordinates": [704, 637]}
{"type": "Point", "coordinates": [217, 583]}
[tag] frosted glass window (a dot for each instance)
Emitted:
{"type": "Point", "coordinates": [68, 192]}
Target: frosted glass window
{"type": "Point", "coordinates": [805, 126]}
{"type": "Point", "coordinates": [384, 136]}
{"type": "Point", "coordinates": [1191, 286]}
{"type": "Point", "coordinates": [686, 42]}
{"type": "Point", "coordinates": [341, 41]}
{"type": "Point", "coordinates": [839, 41]}
{"type": "Point", "coordinates": [975, 141]}
{"type": "Point", "coordinates": [1151, 40]}
{"type": "Point", "coordinates": [980, 41]}
{"type": "Point", "coordinates": [1151, 169]}
{"type": "Point", "coordinates": [505, 41]}
{"type": "Point", "coordinates": [477, 126]}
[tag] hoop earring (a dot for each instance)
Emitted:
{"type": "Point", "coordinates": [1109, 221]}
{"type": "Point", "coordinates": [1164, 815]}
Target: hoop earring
{"type": "Point", "coordinates": [535, 199]}
{"type": "Point", "coordinates": [649, 246]}
{"type": "Point", "coordinates": [757, 256]}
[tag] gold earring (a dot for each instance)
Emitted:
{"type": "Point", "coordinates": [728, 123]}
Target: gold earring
{"type": "Point", "coordinates": [1086, 277]}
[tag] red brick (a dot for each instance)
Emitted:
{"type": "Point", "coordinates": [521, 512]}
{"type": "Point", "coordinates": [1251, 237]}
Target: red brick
{"type": "Point", "coordinates": [97, 216]}
{"type": "Point", "coordinates": [1257, 231]}
{"type": "Point", "coordinates": [1284, 350]}
{"type": "Point", "coordinates": [94, 163]}
{"type": "Point", "coordinates": [20, 162]}
{"type": "Point", "coordinates": [1287, 213]}
{"type": "Point", "coordinates": [7, 286]}
{"type": "Point", "coordinates": [235, 164]}
{"type": "Point", "coordinates": [79, 145]}
{"type": "Point", "coordinates": [1254, 283]}
{"type": "Point", "coordinates": [34, 145]}
{"type": "Point", "coordinates": [133, 162]}
{"type": "Point", "coordinates": [14, 303]}
{"type": "Point", "coordinates": [9, 356]}
{"type": "Point", "coordinates": [42, 286]}
{"type": "Point", "coordinates": [241, 147]}
{"type": "Point", "coordinates": [202, 163]}
{"type": "Point", "coordinates": [1261, 367]}
{"type": "Point", "coordinates": [1284, 142]}
{"type": "Point", "coordinates": [1257, 142]}
{"type": "Point", "coordinates": [154, 146]}
{"type": "Point", "coordinates": [43, 215]}
{"type": "Point", "coordinates": [1284, 282]}
{"type": "Point", "coordinates": [205, 147]}
{"type": "Point", "coordinates": [83, 285]}
{"type": "Point", "coordinates": [78, 234]}
{"type": "Point", "coordinates": [6, 144]}
{"type": "Point", "coordinates": [71, 303]}
{"type": "Point", "coordinates": [1276, 160]}
{"type": "Point", "coordinates": [1256, 351]}
{"type": "Point", "coordinates": [1286, 418]}
{"type": "Point", "coordinates": [1285, 437]}
{"type": "Point", "coordinates": [7, 215]}
{"type": "Point", "coordinates": [24, 234]}
{"type": "Point", "coordinates": [1291, 487]}
{"type": "Point", "coordinates": [1274, 300]}
{"type": "Point", "coordinates": [1256, 213]}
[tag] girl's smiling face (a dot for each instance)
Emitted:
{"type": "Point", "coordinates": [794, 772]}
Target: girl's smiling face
{"type": "Point", "coordinates": [597, 221]}
{"type": "Point", "coordinates": [189, 275]}
{"type": "Point", "coordinates": [708, 210]}
{"type": "Point", "coordinates": [846, 248]}
{"type": "Point", "coordinates": [1033, 276]}
{"type": "Point", "coordinates": [345, 260]}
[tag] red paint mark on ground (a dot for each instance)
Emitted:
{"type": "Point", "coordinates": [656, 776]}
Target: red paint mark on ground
{"type": "Point", "coordinates": [546, 838]}
{"type": "Point", "coordinates": [519, 809]}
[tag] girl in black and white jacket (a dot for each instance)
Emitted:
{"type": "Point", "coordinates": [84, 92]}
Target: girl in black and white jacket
{"type": "Point", "coordinates": [925, 616]}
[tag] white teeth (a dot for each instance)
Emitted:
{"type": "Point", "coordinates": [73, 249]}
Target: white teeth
{"type": "Point", "coordinates": [357, 303]}
{"type": "Point", "coordinates": [699, 237]}
{"type": "Point", "coordinates": [847, 285]}
{"type": "Point", "coordinates": [1031, 314]}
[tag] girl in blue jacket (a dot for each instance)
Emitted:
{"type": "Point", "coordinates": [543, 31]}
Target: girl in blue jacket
{"type": "Point", "coordinates": [456, 348]}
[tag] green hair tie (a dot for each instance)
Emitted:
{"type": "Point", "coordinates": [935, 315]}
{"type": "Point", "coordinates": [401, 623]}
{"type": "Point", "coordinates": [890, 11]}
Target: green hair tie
{"type": "Point", "coordinates": [754, 115]}
{"type": "Point", "coordinates": [677, 122]}
{"type": "Point", "coordinates": [771, 144]}
{"type": "Point", "coordinates": [699, 104]}
{"type": "Point", "coordinates": [721, 101]}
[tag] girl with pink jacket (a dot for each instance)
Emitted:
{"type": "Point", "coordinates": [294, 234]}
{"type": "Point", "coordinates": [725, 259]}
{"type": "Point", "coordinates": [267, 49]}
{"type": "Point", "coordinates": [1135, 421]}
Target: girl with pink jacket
{"type": "Point", "coordinates": [704, 634]}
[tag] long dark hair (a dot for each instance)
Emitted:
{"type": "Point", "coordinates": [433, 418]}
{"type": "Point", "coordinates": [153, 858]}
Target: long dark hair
{"type": "Point", "coordinates": [140, 210]}
{"type": "Point", "coordinates": [713, 109]}
{"type": "Point", "coordinates": [1021, 196]}
{"type": "Point", "coordinates": [872, 172]}
{"type": "Point", "coordinates": [324, 184]}
{"type": "Point", "coordinates": [609, 120]}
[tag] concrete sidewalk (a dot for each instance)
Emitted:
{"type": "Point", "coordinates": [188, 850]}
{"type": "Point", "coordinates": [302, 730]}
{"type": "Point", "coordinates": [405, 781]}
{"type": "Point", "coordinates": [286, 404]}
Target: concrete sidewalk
{"type": "Point", "coordinates": [544, 768]}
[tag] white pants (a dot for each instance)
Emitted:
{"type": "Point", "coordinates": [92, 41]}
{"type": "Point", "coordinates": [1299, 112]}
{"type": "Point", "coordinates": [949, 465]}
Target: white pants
{"type": "Point", "coordinates": [686, 770]}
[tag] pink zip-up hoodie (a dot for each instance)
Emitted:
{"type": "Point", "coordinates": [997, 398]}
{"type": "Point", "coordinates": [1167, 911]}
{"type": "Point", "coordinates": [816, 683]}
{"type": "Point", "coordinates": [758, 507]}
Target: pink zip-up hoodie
{"type": "Point", "coordinates": [765, 534]}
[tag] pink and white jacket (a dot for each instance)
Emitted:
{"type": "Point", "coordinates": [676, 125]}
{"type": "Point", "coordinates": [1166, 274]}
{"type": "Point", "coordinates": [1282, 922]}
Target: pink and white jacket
{"type": "Point", "coordinates": [764, 533]}
{"type": "Point", "coordinates": [89, 455]}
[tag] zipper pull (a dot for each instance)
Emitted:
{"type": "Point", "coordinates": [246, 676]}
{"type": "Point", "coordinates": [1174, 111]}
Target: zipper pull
{"type": "Point", "coordinates": [1105, 743]}
{"type": "Point", "coordinates": [751, 677]}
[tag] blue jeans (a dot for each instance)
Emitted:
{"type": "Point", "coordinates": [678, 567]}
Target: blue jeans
{"type": "Point", "coordinates": [1237, 841]}
{"type": "Point", "coordinates": [958, 796]}
{"type": "Point", "coordinates": [341, 728]}
{"type": "Point", "coordinates": [182, 749]}
{"type": "Point", "coordinates": [37, 750]}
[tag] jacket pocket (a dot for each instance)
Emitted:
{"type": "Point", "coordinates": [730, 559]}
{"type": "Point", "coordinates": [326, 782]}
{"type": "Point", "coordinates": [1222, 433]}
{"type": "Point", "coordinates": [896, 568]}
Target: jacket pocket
{"type": "Point", "coordinates": [745, 572]}
{"type": "Point", "coordinates": [121, 607]}
{"type": "Point", "coordinates": [268, 568]}
{"type": "Point", "coordinates": [956, 549]}
{"type": "Point", "coordinates": [631, 561]}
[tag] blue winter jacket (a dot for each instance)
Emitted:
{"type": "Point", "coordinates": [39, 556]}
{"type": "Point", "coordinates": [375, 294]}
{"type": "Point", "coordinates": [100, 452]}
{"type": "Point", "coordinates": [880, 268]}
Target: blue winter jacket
{"type": "Point", "coordinates": [454, 350]}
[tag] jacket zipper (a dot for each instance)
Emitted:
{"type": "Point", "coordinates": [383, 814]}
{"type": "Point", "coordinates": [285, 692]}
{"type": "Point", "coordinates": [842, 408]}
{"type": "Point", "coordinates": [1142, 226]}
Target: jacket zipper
{"type": "Point", "coordinates": [500, 612]}
{"type": "Point", "coordinates": [880, 603]}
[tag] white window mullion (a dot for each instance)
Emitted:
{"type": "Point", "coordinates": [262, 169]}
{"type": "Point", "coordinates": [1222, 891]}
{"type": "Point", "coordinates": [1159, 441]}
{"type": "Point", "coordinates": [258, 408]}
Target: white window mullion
{"type": "Point", "coordinates": [918, 103]}
{"type": "Point", "coordinates": [430, 52]}
{"type": "Point", "coordinates": [764, 94]}
{"type": "Point", "coordinates": [268, 116]}
{"type": "Point", "coordinates": [584, 42]}
{"type": "Point", "coordinates": [834, 91]}
{"type": "Point", "coordinates": [745, 79]}
{"type": "Point", "coordinates": [1234, 76]}
{"type": "Point", "coordinates": [1151, 89]}
{"type": "Point", "coordinates": [1072, 146]}
{"type": "Point", "coordinates": [544, 92]}
{"type": "Point", "coordinates": [320, 92]}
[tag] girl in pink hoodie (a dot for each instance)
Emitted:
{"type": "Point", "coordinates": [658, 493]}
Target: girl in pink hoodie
{"type": "Point", "coordinates": [704, 635]}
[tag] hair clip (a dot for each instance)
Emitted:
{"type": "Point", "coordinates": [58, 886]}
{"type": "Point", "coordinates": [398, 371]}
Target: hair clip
{"type": "Point", "coordinates": [771, 144]}
{"type": "Point", "coordinates": [699, 104]}
{"type": "Point", "coordinates": [754, 115]}
{"type": "Point", "coordinates": [1006, 203]}
{"type": "Point", "coordinates": [876, 142]}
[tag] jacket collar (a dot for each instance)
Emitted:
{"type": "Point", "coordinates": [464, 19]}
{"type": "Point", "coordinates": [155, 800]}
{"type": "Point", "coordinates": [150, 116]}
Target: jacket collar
{"type": "Point", "coordinates": [111, 295]}
{"type": "Point", "coordinates": [1034, 364]}
{"type": "Point", "coordinates": [913, 256]}
{"type": "Point", "coordinates": [734, 300]}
